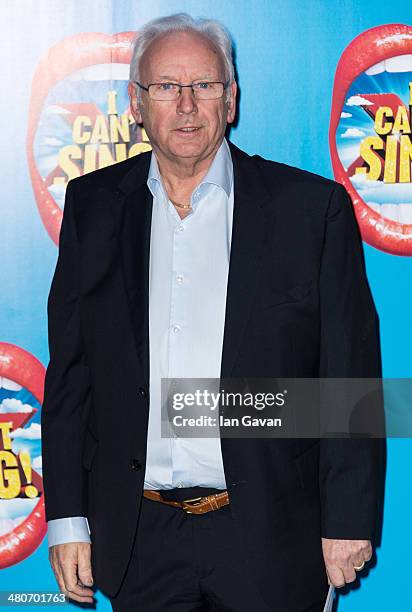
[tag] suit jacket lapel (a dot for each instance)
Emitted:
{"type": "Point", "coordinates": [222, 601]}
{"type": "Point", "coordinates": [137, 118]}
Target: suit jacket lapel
{"type": "Point", "coordinates": [133, 216]}
{"type": "Point", "coordinates": [250, 232]}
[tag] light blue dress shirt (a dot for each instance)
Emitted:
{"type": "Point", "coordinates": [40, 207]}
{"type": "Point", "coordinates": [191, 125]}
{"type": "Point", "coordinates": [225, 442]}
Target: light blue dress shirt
{"type": "Point", "coordinates": [188, 271]}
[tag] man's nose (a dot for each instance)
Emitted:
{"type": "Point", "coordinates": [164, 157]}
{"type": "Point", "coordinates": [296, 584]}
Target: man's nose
{"type": "Point", "coordinates": [186, 102]}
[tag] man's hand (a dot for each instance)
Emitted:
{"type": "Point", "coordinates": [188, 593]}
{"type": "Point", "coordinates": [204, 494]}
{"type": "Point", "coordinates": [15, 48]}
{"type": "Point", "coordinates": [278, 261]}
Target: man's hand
{"type": "Point", "coordinates": [72, 567]}
{"type": "Point", "coordinates": [342, 556]}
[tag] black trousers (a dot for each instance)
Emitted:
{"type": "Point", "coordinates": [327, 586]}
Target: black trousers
{"type": "Point", "coordinates": [183, 562]}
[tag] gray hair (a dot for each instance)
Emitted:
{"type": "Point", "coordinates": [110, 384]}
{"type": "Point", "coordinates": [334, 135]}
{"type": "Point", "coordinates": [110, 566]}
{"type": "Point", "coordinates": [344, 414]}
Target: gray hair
{"type": "Point", "coordinates": [182, 22]}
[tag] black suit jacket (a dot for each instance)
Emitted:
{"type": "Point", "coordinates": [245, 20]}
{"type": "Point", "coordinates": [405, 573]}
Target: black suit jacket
{"type": "Point", "coordinates": [298, 305]}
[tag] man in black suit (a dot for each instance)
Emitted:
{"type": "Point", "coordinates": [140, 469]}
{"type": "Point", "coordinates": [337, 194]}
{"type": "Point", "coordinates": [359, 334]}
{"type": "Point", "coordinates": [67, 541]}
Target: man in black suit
{"type": "Point", "coordinates": [144, 255]}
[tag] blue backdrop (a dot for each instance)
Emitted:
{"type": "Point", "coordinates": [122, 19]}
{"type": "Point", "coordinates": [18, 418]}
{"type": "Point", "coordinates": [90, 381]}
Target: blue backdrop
{"type": "Point", "coordinates": [286, 56]}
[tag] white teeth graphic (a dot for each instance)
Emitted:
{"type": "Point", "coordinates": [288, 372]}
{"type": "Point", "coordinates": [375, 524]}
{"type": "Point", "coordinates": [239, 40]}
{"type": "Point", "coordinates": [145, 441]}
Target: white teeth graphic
{"type": "Point", "coordinates": [400, 63]}
{"type": "Point", "coordinates": [8, 384]}
{"type": "Point", "coordinates": [402, 213]}
{"type": "Point", "coordinates": [101, 72]}
{"type": "Point", "coordinates": [8, 524]}
{"type": "Point", "coordinates": [376, 69]}
{"type": "Point", "coordinates": [390, 200]}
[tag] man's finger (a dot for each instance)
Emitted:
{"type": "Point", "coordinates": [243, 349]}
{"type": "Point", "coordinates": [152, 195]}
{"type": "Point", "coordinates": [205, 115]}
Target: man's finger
{"type": "Point", "coordinates": [78, 598]}
{"type": "Point", "coordinates": [368, 553]}
{"type": "Point", "coordinates": [329, 580]}
{"type": "Point", "coordinates": [336, 576]}
{"type": "Point", "coordinates": [361, 548]}
{"type": "Point", "coordinates": [80, 593]}
{"type": "Point", "coordinates": [362, 556]}
{"type": "Point", "coordinates": [60, 582]}
{"type": "Point", "coordinates": [57, 571]}
{"type": "Point", "coordinates": [358, 561]}
{"type": "Point", "coordinates": [84, 566]}
{"type": "Point", "coordinates": [349, 573]}
{"type": "Point", "coordinates": [72, 584]}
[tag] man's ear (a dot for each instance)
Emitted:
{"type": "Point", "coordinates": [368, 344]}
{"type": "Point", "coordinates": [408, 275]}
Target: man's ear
{"type": "Point", "coordinates": [134, 103]}
{"type": "Point", "coordinates": [231, 103]}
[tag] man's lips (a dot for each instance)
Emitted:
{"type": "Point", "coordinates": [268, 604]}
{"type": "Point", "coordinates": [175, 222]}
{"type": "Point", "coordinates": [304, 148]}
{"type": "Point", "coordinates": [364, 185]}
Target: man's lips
{"type": "Point", "coordinates": [188, 129]}
{"type": "Point", "coordinates": [365, 51]}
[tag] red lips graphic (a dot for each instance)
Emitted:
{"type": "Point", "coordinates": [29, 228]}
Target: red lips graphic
{"type": "Point", "coordinates": [366, 50]}
{"type": "Point", "coordinates": [20, 366]}
{"type": "Point", "coordinates": [70, 55]}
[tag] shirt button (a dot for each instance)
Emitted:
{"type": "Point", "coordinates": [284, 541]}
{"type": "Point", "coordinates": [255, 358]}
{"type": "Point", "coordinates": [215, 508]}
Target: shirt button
{"type": "Point", "coordinates": [135, 464]}
{"type": "Point", "coordinates": [142, 392]}
{"type": "Point", "coordinates": [180, 228]}
{"type": "Point", "coordinates": [176, 329]}
{"type": "Point", "coordinates": [179, 278]}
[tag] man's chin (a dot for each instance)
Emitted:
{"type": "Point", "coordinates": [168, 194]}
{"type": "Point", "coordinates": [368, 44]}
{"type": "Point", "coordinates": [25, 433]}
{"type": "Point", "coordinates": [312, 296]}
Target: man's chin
{"type": "Point", "coordinates": [191, 151]}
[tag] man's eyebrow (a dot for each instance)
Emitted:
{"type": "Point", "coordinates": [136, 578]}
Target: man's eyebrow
{"type": "Point", "coordinates": [171, 79]}
{"type": "Point", "coordinates": [167, 78]}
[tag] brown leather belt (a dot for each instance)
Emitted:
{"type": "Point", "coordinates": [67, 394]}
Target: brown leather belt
{"type": "Point", "coordinates": [197, 505]}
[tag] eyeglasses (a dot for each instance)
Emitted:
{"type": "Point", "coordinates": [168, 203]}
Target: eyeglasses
{"type": "Point", "coordinates": [202, 90]}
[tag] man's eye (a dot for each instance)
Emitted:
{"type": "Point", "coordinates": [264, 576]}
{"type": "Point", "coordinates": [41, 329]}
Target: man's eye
{"type": "Point", "coordinates": [204, 85]}
{"type": "Point", "coordinates": [166, 86]}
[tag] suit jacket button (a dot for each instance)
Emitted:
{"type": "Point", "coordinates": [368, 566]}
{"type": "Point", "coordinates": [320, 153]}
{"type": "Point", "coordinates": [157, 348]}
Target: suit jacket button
{"type": "Point", "coordinates": [142, 392]}
{"type": "Point", "coordinates": [136, 465]}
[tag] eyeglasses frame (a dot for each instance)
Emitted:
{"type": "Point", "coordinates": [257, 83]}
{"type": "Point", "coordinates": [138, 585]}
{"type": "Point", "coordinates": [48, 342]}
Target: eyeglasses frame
{"type": "Point", "coordinates": [225, 86]}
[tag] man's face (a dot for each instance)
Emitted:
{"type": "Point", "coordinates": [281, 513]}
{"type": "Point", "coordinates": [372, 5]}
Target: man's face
{"type": "Point", "coordinates": [183, 58]}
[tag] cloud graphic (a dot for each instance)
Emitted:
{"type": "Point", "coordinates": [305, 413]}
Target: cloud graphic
{"type": "Point", "coordinates": [28, 433]}
{"type": "Point", "coordinates": [51, 141]}
{"type": "Point", "coordinates": [345, 115]}
{"type": "Point", "coordinates": [11, 404]}
{"type": "Point", "coordinates": [353, 133]}
{"type": "Point", "coordinates": [54, 109]}
{"type": "Point", "coordinates": [358, 101]}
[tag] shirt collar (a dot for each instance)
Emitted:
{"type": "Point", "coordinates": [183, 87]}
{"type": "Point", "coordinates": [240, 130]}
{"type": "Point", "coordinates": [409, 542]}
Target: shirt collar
{"type": "Point", "coordinates": [220, 173]}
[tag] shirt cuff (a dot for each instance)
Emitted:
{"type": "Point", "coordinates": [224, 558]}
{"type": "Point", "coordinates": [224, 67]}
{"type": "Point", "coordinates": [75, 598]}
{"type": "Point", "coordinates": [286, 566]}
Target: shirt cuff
{"type": "Point", "coordinates": [69, 529]}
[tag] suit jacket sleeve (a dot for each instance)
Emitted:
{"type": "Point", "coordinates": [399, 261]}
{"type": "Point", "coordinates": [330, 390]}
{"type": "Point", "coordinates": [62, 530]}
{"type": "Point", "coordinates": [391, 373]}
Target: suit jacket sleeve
{"type": "Point", "coordinates": [350, 469]}
{"type": "Point", "coordinates": [67, 384]}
